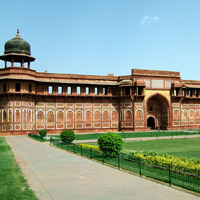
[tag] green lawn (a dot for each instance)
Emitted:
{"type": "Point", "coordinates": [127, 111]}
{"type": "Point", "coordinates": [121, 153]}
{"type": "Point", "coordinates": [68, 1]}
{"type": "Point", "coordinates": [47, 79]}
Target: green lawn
{"type": "Point", "coordinates": [12, 182]}
{"type": "Point", "coordinates": [178, 147]}
{"type": "Point", "coordinates": [92, 136]}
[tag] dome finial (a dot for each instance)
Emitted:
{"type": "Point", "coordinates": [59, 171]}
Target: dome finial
{"type": "Point", "coordinates": [17, 33]}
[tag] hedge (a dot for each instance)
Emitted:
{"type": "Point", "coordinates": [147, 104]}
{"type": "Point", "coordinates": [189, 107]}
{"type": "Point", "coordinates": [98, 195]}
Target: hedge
{"type": "Point", "coordinates": [176, 163]}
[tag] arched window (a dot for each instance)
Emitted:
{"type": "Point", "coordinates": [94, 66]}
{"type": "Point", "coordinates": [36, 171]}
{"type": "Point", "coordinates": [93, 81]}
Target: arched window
{"type": "Point", "coordinates": [197, 115]}
{"type": "Point", "coordinates": [10, 116]}
{"type": "Point", "coordinates": [60, 116]}
{"type": "Point", "coordinates": [184, 115]}
{"type": "Point", "coordinates": [40, 116]}
{"type": "Point", "coordinates": [17, 116]}
{"type": "Point", "coordinates": [97, 116]}
{"type": "Point", "coordinates": [50, 116]}
{"type": "Point", "coordinates": [114, 115]}
{"type": "Point", "coordinates": [4, 116]}
{"type": "Point", "coordinates": [128, 115]}
{"type": "Point", "coordinates": [176, 115]}
{"type": "Point", "coordinates": [88, 116]}
{"type": "Point", "coordinates": [24, 115]}
{"type": "Point", "coordinates": [70, 116]}
{"type": "Point", "coordinates": [191, 116]}
{"type": "Point", "coordinates": [79, 116]}
{"type": "Point", "coordinates": [139, 115]}
{"type": "Point", "coordinates": [29, 116]}
{"type": "Point", "coordinates": [105, 115]}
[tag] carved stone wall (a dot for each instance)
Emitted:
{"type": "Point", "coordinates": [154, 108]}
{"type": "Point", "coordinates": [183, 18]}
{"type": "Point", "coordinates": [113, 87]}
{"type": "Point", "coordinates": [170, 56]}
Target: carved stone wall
{"type": "Point", "coordinates": [17, 116]}
{"type": "Point", "coordinates": [186, 114]}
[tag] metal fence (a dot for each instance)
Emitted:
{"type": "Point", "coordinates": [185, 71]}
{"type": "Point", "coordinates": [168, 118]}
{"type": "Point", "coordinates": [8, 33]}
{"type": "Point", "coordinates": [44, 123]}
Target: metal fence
{"type": "Point", "coordinates": [122, 161]}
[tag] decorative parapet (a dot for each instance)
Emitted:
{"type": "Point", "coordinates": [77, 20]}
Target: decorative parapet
{"type": "Point", "coordinates": [154, 73]}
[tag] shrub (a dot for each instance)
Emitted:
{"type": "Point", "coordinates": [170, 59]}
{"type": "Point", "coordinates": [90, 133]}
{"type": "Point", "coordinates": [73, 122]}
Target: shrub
{"type": "Point", "coordinates": [89, 147]}
{"type": "Point", "coordinates": [164, 160]}
{"type": "Point", "coordinates": [110, 143]}
{"type": "Point", "coordinates": [42, 133]}
{"type": "Point", "coordinates": [67, 136]}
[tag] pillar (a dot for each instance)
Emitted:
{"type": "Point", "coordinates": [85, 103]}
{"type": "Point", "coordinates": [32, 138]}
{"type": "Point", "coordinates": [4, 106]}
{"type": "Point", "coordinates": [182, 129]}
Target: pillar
{"type": "Point", "coordinates": [5, 63]}
{"type": "Point", "coordinates": [22, 62]}
{"type": "Point", "coordinates": [29, 64]}
{"type": "Point", "coordinates": [12, 62]}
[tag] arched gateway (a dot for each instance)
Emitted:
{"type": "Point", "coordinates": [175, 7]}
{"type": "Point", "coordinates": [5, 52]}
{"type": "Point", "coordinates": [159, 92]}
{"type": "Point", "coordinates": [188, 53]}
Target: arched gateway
{"type": "Point", "coordinates": [151, 122]}
{"type": "Point", "coordinates": [157, 112]}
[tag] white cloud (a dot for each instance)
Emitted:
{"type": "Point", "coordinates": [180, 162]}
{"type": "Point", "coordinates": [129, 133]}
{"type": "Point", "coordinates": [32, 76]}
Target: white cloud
{"type": "Point", "coordinates": [156, 18]}
{"type": "Point", "coordinates": [148, 20]}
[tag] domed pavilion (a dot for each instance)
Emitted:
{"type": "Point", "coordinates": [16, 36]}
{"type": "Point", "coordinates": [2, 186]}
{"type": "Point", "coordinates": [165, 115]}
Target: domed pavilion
{"type": "Point", "coordinates": [17, 50]}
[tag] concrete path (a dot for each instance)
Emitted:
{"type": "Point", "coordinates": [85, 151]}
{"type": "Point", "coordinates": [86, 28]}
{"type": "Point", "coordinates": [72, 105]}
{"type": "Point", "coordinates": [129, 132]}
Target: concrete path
{"type": "Point", "coordinates": [56, 174]}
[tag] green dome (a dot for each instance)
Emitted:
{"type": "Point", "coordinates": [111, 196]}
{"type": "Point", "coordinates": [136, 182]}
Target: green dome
{"type": "Point", "coordinates": [17, 46]}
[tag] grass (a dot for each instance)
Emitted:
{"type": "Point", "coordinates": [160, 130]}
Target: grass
{"type": "Point", "coordinates": [37, 137]}
{"type": "Point", "coordinates": [13, 185]}
{"type": "Point", "coordinates": [189, 147]}
{"type": "Point", "coordinates": [177, 147]}
{"type": "Point", "coordinates": [93, 136]}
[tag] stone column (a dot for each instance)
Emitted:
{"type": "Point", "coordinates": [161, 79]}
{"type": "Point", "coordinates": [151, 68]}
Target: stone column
{"type": "Point", "coordinates": [29, 65]}
{"type": "Point", "coordinates": [12, 62]}
{"type": "Point", "coordinates": [22, 63]}
{"type": "Point", "coordinates": [5, 63]}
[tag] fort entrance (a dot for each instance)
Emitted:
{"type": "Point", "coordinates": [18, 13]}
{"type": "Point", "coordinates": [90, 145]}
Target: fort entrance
{"type": "Point", "coordinates": [151, 123]}
{"type": "Point", "coordinates": [157, 112]}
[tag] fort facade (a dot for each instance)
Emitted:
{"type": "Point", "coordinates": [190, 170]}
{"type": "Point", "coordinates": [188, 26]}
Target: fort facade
{"type": "Point", "coordinates": [141, 101]}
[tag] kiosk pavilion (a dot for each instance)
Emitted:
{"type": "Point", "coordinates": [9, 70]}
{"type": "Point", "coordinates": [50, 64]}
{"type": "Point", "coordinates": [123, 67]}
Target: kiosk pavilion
{"type": "Point", "coordinates": [141, 101]}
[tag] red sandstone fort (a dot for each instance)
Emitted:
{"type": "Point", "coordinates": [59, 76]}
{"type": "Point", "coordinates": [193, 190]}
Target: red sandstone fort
{"type": "Point", "coordinates": [141, 101]}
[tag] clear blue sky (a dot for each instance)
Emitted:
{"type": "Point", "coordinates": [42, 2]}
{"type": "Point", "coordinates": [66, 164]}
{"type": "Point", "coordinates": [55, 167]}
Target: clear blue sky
{"type": "Point", "coordinates": [106, 36]}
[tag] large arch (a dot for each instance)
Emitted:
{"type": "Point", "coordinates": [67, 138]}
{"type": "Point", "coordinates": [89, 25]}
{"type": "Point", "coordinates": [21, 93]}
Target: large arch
{"type": "Point", "coordinates": [157, 107]}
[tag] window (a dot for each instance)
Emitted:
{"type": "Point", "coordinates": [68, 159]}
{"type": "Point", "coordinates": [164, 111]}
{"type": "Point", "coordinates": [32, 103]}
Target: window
{"type": "Point", "coordinates": [183, 92]}
{"type": "Point", "coordinates": [197, 93]}
{"type": "Point", "coordinates": [190, 93]}
{"type": "Point", "coordinates": [50, 89]}
{"type": "Point", "coordinates": [59, 89]}
{"type": "Point", "coordinates": [113, 91]}
{"type": "Point", "coordinates": [4, 115]}
{"type": "Point", "coordinates": [30, 87]}
{"type": "Point", "coordinates": [87, 90]}
{"type": "Point", "coordinates": [96, 91]}
{"type": "Point", "coordinates": [69, 90]}
{"type": "Point", "coordinates": [78, 90]}
{"type": "Point", "coordinates": [104, 91]}
{"type": "Point", "coordinates": [17, 87]}
{"type": "Point", "coordinates": [127, 91]}
{"type": "Point", "coordinates": [150, 109]}
{"type": "Point", "coordinates": [4, 87]}
{"type": "Point", "coordinates": [140, 91]}
{"type": "Point", "coordinates": [175, 92]}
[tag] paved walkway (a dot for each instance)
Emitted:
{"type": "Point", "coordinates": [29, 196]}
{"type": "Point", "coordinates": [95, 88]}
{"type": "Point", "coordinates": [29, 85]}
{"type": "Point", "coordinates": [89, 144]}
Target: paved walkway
{"type": "Point", "coordinates": [57, 174]}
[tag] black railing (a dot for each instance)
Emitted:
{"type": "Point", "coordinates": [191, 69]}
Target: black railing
{"type": "Point", "coordinates": [122, 161]}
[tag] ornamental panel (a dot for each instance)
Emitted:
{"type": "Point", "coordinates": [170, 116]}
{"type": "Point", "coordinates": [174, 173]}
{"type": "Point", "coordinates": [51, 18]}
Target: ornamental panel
{"type": "Point", "coordinates": [157, 83]}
